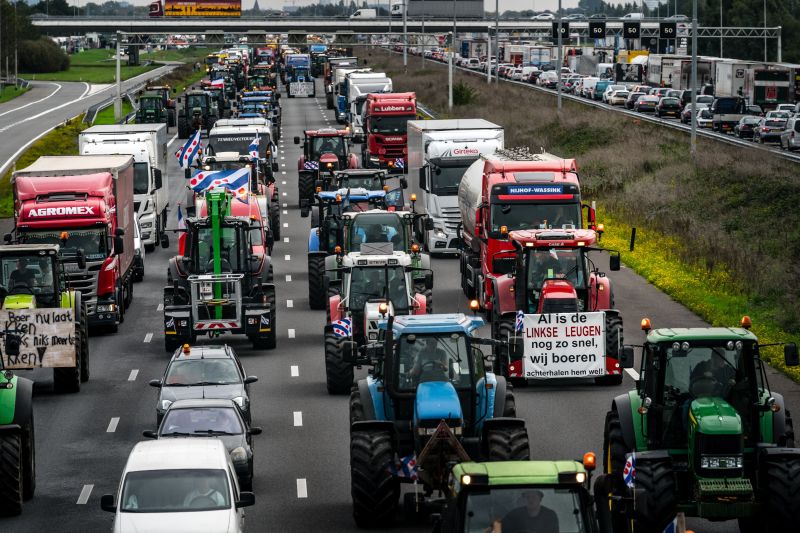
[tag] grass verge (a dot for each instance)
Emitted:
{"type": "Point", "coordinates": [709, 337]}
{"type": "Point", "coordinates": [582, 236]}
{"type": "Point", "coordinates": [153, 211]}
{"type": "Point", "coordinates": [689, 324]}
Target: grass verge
{"type": "Point", "coordinates": [92, 66]}
{"type": "Point", "coordinates": [106, 116]}
{"type": "Point", "coordinates": [8, 93]}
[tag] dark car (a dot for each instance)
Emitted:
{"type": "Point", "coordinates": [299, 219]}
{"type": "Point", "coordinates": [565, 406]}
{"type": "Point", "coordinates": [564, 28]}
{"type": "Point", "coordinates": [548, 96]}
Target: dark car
{"type": "Point", "coordinates": [686, 112]}
{"type": "Point", "coordinates": [769, 130]}
{"type": "Point", "coordinates": [755, 110]}
{"type": "Point", "coordinates": [632, 98]}
{"type": "Point", "coordinates": [204, 372]}
{"type": "Point", "coordinates": [668, 107]}
{"type": "Point", "coordinates": [646, 104]}
{"type": "Point", "coordinates": [746, 126]}
{"type": "Point", "coordinates": [674, 93]}
{"type": "Point", "coordinates": [598, 16]}
{"type": "Point", "coordinates": [210, 418]}
{"type": "Point", "coordinates": [658, 91]}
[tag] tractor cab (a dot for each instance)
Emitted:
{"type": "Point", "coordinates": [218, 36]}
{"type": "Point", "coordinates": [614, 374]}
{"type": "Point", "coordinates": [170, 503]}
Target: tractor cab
{"type": "Point", "coordinates": [165, 91]}
{"type": "Point", "coordinates": [31, 276]}
{"type": "Point", "coordinates": [151, 109]}
{"type": "Point", "coordinates": [324, 152]}
{"type": "Point", "coordinates": [200, 256]}
{"type": "Point", "coordinates": [198, 103]}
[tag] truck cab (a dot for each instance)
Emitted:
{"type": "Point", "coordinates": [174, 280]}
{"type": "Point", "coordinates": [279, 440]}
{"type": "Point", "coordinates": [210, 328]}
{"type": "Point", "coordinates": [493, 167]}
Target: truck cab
{"type": "Point", "coordinates": [385, 127]}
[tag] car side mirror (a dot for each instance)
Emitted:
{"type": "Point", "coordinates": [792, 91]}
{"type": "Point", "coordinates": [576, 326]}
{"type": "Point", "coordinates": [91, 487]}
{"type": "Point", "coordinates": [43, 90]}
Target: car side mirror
{"type": "Point", "coordinates": [246, 499]}
{"type": "Point", "coordinates": [149, 434]}
{"type": "Point", "coordinates": [275, 167]}
{"type": "Point", "coordinates": [80, 258]}
{"type": "Point", "coordinates": [107, 503]}
{"type": "Point", "coordinates": [179, 99]}
{"type": "Point", "coordinates": [155, 383]}
{"type": "Point", "coordinates": [614, 263]}
{"type": "Point", "coordinates": [349, 352]}
{"type": "Point", "coordinates": [255, 431]}
{"type": "Point", "coordinates": [422, 181]}
{"type": "Point", "coordinates": [250, 379]}
{"type": "Point", "coordinates": [428, 224]}
{"type": "Point", "coordinates": [403, 183]}
{"type": "Point", "coordinates": [7, 238]}
{"type": "Point", "coordinates": [164, 240]}
{"type": "Point", "coordinates": [297, 140]}
{"type": "Point", "coordinates": [174, 90]}
{"type": "Point", "coordinates": [429, 280]}
{"type": "Point", "coordinates": [119, 246]}
{"type": "Point", "coordinates": [790, 354]}
{"type": "Point", "coordinates": [626, 357]}
{"type": "Point", "coordinates": [157, 178]}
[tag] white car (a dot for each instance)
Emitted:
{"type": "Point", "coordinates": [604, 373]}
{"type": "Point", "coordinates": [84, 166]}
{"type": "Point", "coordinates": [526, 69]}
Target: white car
{"type": "Point", "coordinates": [544, 16]}
{"type": "Point", "coordinates": [516, 74]}
{"type": "Point", "coordinates": [610, 89]}
{"type": "Point", "coordinates": [180, 484]}
{"type": "Point", "coordinates": [138, 253]}
{"type": "Point", "coordinates": [618, 97]}
{"type": "Point", "coordinates": [473, 63]}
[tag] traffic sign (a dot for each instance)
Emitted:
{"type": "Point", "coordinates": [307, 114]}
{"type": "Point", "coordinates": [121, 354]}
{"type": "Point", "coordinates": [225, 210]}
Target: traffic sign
{"type": "Point", "coordinates": [630, 30]}
{"type": "Point", "coordinates": [597, 30]}
{"type": "Point", "coordinates": [667, 30]}
{"type": "Point", "coordinates": [564, 31]}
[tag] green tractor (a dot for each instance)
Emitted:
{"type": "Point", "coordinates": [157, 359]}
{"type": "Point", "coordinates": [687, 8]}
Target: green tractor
{"type": "Point", "coordinates": [199, 111]}
{"type": "Point", "coordinates": [520, 496]}
{"type": "Point", "coordinates": [151, 109]}
{"type": "Point", "coordinates": [17, 452]}
{"type": "Point", "coordinates": [32, 277]}
{"type": "Point", "coordinates": [703, 435]}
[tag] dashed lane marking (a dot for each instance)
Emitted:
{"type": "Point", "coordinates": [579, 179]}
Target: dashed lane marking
{"type": "Point", "coordinates": [288, 277]}
{"type": "Point", "coordinates": [148, 337]}
{"type": "Point", "coordinates": [286, 239]}
{"type": "Point", "coordinates": [298, 418]}
{"type": "Point", "coordinates": [287, 257]}
{"type": "Point", "coordinates": [632, 373]}
{"type": "Point", "coordinates": [285, 211]}
{"type": "Point", "coordinates": [283, 182]}
{"type": "Point", "coordinates": [294, 371]}
{"type": "Point", "coordinates": [284, 193]}
{"type": "Point", "coordinates": [160, 307]}
{"type": "Point", "coordinates": [291, 333]}
{"type": "Point", "coordinates": [112, 425]}
{"type": "Point", "coordinates": [285, 204]}
{"type": "Point", "coordinates": [285, 224]}
{"type": "Point", "coordinates": [302, 488]}
{"type": "Point", "coordinates": [289, 303]}
{"type": "Point", "coordinates": [86, 491]}
{"type": "Point", "coordinates": [133, 375]}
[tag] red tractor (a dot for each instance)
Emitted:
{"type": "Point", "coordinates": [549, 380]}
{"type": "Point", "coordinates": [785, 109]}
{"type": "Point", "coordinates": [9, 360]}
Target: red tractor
{"type": "Point", "coordinates": [324, 150]}
{"type": "Point", "coordinates": [553, 274]}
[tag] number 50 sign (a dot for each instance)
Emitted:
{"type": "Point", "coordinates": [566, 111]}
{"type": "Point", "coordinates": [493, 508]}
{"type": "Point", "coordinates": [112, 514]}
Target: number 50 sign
{"type": "Point", "coordinates": [630, 30]}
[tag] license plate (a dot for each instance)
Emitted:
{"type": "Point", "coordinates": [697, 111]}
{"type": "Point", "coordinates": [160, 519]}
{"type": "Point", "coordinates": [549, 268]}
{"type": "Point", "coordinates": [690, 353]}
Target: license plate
{"type": "Point", "coordinates": [71, 268]}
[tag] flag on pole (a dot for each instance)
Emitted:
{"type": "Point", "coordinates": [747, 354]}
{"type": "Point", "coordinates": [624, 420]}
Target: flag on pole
{"type": "Point", "coordinates": [253, 148]}
{"type": "Point", "coordinates": [219, 82]}
{"type": "Point", "coordinates": [188, 153]}
{"type": "Point", "coordinates": [181, 222]}
{"type": "Point", "coordinates": [216, 179]}
{"type": "Point", "coordinates": [519, 323]}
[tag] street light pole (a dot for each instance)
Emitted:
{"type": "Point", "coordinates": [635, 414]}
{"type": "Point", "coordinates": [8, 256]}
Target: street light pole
{"type": "Point", "coordinates": [765, 31]}
{"type": "Point", "coordinates": [560, 58]}
{"type": "Point", "coordinates": [405, 37]}
{"type": "Point", "coordinates": [693, 142]}
{"type": "Point", "coordinates": [720, 29]}
{"type": "Point", "coordinates": [496, 42]}
{"type": "Point", "coordinates": [422, 48]}
{"type": "Point", "coordinates": [118, 99]}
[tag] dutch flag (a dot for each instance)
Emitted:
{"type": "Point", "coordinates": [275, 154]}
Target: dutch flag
{"type": "Point", "coordinates": [343, 328]}
{"type": "Point", "coordinates": [181, 222]}
{"type": "Point", "coordinates": [400, 163]}
{"type": "Point", "coordinates": [188, 153]}
{"type": "Point", "coordinates": [519, 324]}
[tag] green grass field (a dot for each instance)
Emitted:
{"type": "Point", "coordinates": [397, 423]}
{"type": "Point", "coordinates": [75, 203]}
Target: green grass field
{"type": "Point", "coordinates": [106, 116]}
{"type": "Point", "coordinates": [9, 93]}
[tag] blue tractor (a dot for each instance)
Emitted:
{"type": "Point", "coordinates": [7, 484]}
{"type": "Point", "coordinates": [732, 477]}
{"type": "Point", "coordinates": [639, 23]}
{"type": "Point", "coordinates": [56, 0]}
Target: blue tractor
{"type": "Point", "coordinates": [430, 402]}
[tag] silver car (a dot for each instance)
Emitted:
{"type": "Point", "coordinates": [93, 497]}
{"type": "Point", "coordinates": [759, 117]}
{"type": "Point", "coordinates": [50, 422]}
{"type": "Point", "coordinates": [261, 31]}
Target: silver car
{"type": "Point", "coordinates": [790, 137]}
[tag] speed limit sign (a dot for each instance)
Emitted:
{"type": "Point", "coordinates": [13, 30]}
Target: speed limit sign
{"type": "Point", "coordinates": [667, 30]}
{"type": "Point", "coordinates": [630, 30]}
{"type": "Point", "coordinates": [597, 30]}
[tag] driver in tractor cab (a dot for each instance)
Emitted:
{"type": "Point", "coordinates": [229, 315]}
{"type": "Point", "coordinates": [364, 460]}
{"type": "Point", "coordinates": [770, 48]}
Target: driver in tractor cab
{"type": "Point", "coordinates": [531, 517]}
{"type": "Point", "coordinates": [545, 266]}
{"type": "Point", "coordinates": [22, 276]}
{"type": "Point", "coordinates": [326, 146]}
{"type": "Point", "coordinates": [432, 363]}
{"type": "Point", "coordinates": [716, 374]}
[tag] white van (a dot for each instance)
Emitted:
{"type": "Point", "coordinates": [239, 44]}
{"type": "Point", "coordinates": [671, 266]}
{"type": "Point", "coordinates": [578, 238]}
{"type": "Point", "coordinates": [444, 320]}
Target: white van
{"type": "Point", "coordinates": [365, 14]}
{"type": "Point", "coordinates": [396, 10]}
{"type": "Point", "coordinates": [588, 86]}
{"type": "Point", "coordinates": [633, 16]}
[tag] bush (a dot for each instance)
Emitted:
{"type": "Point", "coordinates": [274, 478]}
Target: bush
{"type": "Point", "coordinates": [42, 55]}
{"type": "Point", "coordinates": [464, 94]}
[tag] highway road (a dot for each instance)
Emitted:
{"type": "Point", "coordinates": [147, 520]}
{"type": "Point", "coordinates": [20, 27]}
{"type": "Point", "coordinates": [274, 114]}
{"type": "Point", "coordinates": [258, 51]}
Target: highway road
{"type": "Point", "coordinates": [301, 465]}
{"type": "Point", "coordinates": [48, 104]}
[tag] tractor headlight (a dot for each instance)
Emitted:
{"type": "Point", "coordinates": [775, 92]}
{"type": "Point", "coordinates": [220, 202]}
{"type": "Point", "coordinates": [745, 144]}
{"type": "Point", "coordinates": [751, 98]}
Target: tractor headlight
{"type": "Point", "coordinates": [239, 455]}
{"type": "Point", "coordinates": [106, 308]}
{"type": "Point", "coordinates": [720, 462]}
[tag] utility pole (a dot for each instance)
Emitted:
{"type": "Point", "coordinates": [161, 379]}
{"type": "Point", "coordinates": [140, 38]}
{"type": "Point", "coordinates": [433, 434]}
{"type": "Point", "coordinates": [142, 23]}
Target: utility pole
{"type": "Point", "coordinates": [560, 59]}
{"type": "Point", "coordinates": [496, 42]}
{"type": "Point", "coordinates": [450, 66]}
{"type": "Point", "coordinates": [693, 143]}
{"type": "Point", "coordinates": [405, 37]}
{"type": "Point", "coordinates": [16, 41]}
{"type": "Point", "coordinates": [422, 48]}
{"type": "Point", "coordinates": [765, 31]}
{"type": "Point", "coordinates": [720, 29]}
{"type": "Point", "coordinates": [488, 55]}
{"type": "Point", "coordinates": [118, 99]}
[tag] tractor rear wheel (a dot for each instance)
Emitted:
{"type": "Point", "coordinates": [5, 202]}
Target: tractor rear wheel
{"type": "Point", "coordinates": [375, 491]}
{"type": "Point", "coordinates": [171, 118]}
{"type": "Point", "coordinates": [654, 494]}
{"type": "Point", "coordinates": [305, 186]}
{"type": "Point", "coordinates": [275, 219]}
{"type": "Point", "coordinates": [316, 286]}
{"type": "Point", "coordinates": [614, 458]}
{"type": "Point", "coordinates": [28, 460]}
{"type": "Point", "coordinates": [614, 341]}
{"type": "Point", "coordinates": [11, 473]}
{"type": "Point", "coordinates": [268, 341]}
{"type": "Point", "coordinates": [508, 444]}
{"type": "Point", "coordinates": [338, 373]}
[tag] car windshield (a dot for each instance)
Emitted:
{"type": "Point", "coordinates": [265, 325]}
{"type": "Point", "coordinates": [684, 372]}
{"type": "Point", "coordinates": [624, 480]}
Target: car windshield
{"type": "Point", "coordinates": [553, 509]}
{"type": "Point", "coordinates": [377, 227]}
{"type": "Point", "coordinates": [229, 252]}
{"type": "Point", "coordinates": [201, 421]}
{"type": "Point", "coordinates": [328, 144]}
{"type": "Point", "coordinates": [175, 491]}
{"type": "Point", "coordinates": [214, 371]}
{"type": "Point", "coordinates": [390, 124]}
{"type": "Point", "coordinates": [91, 241]}
{"type": "Point", "coordinates": [196, 100]}
{"type": "Point", "coordinates": [555, 263]}
{"type": "Point", "coordinates": [446, 179]}
{"type": "Point", "coordinates": [516, 216]}
{"type": "Point", "coordinates": [423, 358]}
{"type": "Point", "coordinates": [373, 283]}
{"type": "Point", "coordinates": [141, 178]}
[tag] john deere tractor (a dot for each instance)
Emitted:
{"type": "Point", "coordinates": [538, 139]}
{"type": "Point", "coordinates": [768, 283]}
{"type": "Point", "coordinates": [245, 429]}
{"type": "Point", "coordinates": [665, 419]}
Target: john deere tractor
{"type": "Point", "coordinates": [219, 284]}
{"type": "Point", "coordinates": [165, 91]}
{"type": "Point", "coordinates": [702, 434]}
{"type": "Point", "coordinates": [151, 109]}
{"type": "Point", "coordinates": [32, 277]}
{"type": "Point", "coordinates": [17, 451]}
{"type": "Point", "coordinates": [199, 111]}
{"type": "Point", "coordinates": [430, 402]}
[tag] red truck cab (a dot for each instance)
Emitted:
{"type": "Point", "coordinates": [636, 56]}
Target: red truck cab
{"type": "Point", "coordinates": [386, 126]}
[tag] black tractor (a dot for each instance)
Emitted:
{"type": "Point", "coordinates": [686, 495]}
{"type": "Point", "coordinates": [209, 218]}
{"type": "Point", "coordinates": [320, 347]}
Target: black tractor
{"type": "Point", "coordinates": [199, 111]}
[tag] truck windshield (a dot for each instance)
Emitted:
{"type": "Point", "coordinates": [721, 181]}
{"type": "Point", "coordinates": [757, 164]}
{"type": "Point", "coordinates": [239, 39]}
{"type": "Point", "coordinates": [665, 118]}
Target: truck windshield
{"type": "Point", "coordinates": [554, 509]}
{"type": "Point", "coordinates": [238, 143]}
{"type": "Point", "coordinates": [374, 283]}
{"type": "Point", "coordinates": [423, 358]}
{"type": "Point", "coordinates": [390, 124]}
{"type": "Point", "coordinates": [229, 252]}
{"type": "Point", "coordinates": [445, 180]}
{"type": "Point", "coordinates": [516, 216]}
{"type": "Point", "coordinates": [377, 227]}
{"type": "Point", "coordinates": [141, 178]}
{"type": "Point", "coordinates": [555, 263]}
{"type": "Point", "coordinates": [91, 241]}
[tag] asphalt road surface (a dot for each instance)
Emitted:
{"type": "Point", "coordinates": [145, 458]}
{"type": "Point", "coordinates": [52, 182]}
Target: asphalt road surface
{"type": "Point", "coordinates": [301, 465]}
{"type": "Point", "coordinates": [48, 104]}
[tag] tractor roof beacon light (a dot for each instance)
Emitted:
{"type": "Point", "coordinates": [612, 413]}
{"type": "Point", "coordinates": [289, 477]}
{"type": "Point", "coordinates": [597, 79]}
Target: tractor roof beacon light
{"type": "Point", "coordinates": [474, 306]}
{"type": "Point", "coordinates": [746, 323]}
{"type": "Point", "coordinates": [589, 461]}
{"type": "Point", "coordinates": [383, 308]}
{"type": "Point", "coordinates": [646, 325]}
{"type": "Point", "coordinates": [187, 349]}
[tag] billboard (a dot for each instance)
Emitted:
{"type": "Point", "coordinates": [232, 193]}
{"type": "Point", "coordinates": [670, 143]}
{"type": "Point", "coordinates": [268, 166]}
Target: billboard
{"type": "Point", "coordinates": [202, 8]}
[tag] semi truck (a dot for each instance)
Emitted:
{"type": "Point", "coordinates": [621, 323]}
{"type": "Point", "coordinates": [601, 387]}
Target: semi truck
{"type": "Point", "coordinates": [385, 127]}
{"type": "Point", "coordinates": [147, 143]}
{"type": "Point", "coordinates": [85, 204]}
{"type": "Point", "coordinates": [768, 87]}
{"type": "Point", "coordinates": [439, 152]}
{"type": "Point", "coordinates": [729, 77]}
{"type": "Point", "coordinates": [358, 86]}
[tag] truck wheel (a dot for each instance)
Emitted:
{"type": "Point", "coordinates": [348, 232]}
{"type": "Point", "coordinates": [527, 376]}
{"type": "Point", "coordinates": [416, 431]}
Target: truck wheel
{"type": "Point", "coordinates": [275, 219]}
{"type": "Point", "coordinates": [614, 340]}
{"type": "Point", "coordinates": [28, 460]}
{"type": "Point", "coordinates": [268, 341]}
{"type": "Point", "coordinates": [375, 491]}
{"type": "Point", "coordinates": [356, 405]}
{"type": "Point", "coordinates": [654, 494]}
{"type": "Point", "coordinates": [11, 466]}
{"type": "Point", "coordinates": [316, 288]}
{"type": "Point", "coordinates": [614, 457]}
{"type": "Point", "coordinates": [508, 444]}
{"type": "Point", "coordinates": [338, 374]}
{"type": "Point", "coordinates": [305, 186]}
{"type": "Point", "coordinates": [781, 494]}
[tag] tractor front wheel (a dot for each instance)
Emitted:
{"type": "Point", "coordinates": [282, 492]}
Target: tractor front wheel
{"type": "Point", "coordinates": [11, 465]}
{"type": "Point", "coordinates": [375, 491]}
{"type": "Point", "coordinates": [305, 186]}
{"type": "Point", "coordinates": [780, 496]}
{"type": "Point", "coordinates": [615, 454]}
{"type": "Point", "coordinates": [654, 494]}
{"type": "Point", "coordinates": [275, 218]}
{"type": "Point", "coordinates": [356, 405]}
{"type": "Point", "coordinates": [508, 444]}
{"type": "Point", "coordinates": [316, 285]}
{"type": "Point", "coordinates": [338, 373]}
{"type": "Point", "coordinates": [510, 403]}
{"type": "Point", "coordinates": [28, 460]}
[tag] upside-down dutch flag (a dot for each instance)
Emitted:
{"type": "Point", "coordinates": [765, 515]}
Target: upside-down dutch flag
{"type": "Point", "coordinates": [343, 327]}
{"type": "Point", "coordinates": [182, 236]}
{"type": "Point", "coordinates": [253, 148]}
{"type": "Point", "coordinates": [404, 467]}
{"type": "Point", "coordinates": [219, 82]}
{"type": "Point", "coordinates": [188, 153]}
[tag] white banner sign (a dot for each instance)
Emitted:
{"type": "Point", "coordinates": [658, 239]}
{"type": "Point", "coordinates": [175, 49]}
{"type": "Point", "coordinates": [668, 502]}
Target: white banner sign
{"type": "Point", "coordinates": [564, 345]}
{"type": "Point", "coordinates": [301, 88]}
{"type": "Point", "coordinates": [47, 337]}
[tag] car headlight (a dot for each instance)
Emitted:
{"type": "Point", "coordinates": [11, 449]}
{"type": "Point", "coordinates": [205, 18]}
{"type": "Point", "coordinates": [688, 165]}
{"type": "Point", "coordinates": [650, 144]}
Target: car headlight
{"type": "Point", "coordinates": [239, 455]}
{"type": "Point", "coordinates": [146, 225]}
{"type": "Point", "coordinates": [137, 252]}
{"type": "Point", "coordinates": [165, 404]}
{"type": "Point", "coordinates": [439, 232]}
{"type": "Point", "coordinates": [240, 401]}
{"type": "Point", "coordinates": [718, 462]}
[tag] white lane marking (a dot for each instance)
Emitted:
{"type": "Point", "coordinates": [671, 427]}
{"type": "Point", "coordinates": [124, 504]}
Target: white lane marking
{"type": "Point", "coordinates": [148, 337]}
{"type": "Point", "coordinates": [284, 173]}
{"type": "Point", "coordinates": [160, 307]}
{"type": "Point", "coordinates": [632, 373]}
{"type": "Point", "coordinates": [134, 373]}
{"type": "Point", "coordinates": [283, 194]}
{"type": "Point", "coordinates": [298, 418]}
{"type": "Point", "coordinates": [285, 224]}
{"type": "Point", "coordinates": [58, 88]}
{"type": "Point", "coordinates": [283, 183]}
{"type": "Point", "coordinates": [86, 491]}
{"type": "Point", "coordinates": [284, 203]}
{"type": "Point", "coordinates": [302, 488]}
{"type": "Point", "coordinates": [285, 211]}
{"type": "Point", "coordinates": [295, 371]}
{"type": "Point", "coordinates": [288, 277]}
{"type": "Point", "coordinates": [289, 303]}
{"type": "Point", "coordinates": [287, 257]}
{"type": "Point", "coordinates": [172, 140]}
{"type": "Point", "coordinates": [286, 239]}
{"type": "Point", "coordinates": [291, 333]}
{"type": "Point", "coordinates": [112, 425]}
